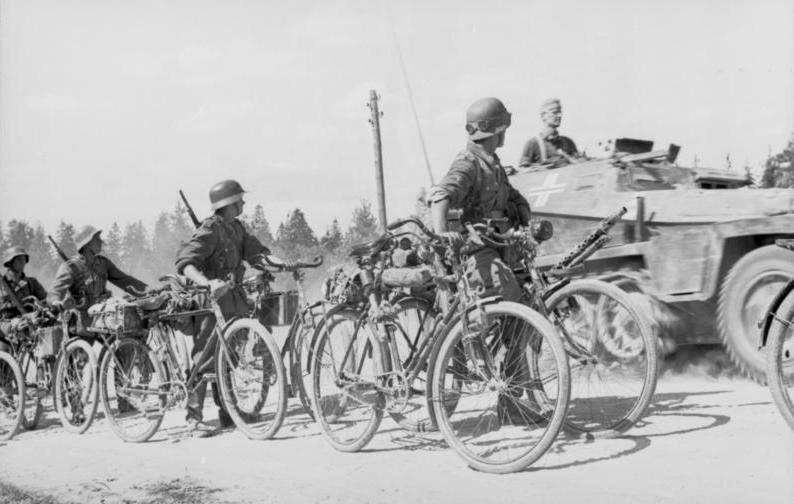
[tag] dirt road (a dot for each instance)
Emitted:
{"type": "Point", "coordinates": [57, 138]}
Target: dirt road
{"type": "Point", "coordinates": [705, 440]}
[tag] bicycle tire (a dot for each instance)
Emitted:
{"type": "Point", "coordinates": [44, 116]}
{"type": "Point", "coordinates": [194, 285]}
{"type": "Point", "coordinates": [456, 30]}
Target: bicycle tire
{"type": "Point", "coordinates": [139, 367]}
{"type": "Point", "coordinates": [33, 405]}
{"type": "Point", "coordinates": [465, 428]}
{"type": "Point", "coordinates": [780, 360]}
{"type": "Point", "coordinates": [258, 414]}
{"type": "Point", "coordinates": [334, 405]}
{"type": "Point", "coordinates": [76, 418]}
{"type": "Point", "coordinates": [301, 341]}
{"type": "Point", "coordinates": [613, 385]}
{"type": "Point", "coordinates": [12, 396]}
{"type": "Point", "coordinates": [415, 318]}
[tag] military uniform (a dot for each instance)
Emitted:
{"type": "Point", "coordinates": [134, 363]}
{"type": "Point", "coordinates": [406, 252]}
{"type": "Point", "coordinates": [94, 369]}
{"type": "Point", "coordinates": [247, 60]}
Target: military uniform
{"type": "Point", "coordinates": [24, 287]}
{"type": "Point", "coordinates": [478, 185]}
{"type": "Point", "coordinates": [218, 249]}
{"type": "Point", "coordinates": [547, 148]}
{"type": "Point", "coordinates": [86, 280]}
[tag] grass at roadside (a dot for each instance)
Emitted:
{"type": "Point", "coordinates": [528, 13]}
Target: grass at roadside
{"type": "Point", "coordinates": [16, 495]}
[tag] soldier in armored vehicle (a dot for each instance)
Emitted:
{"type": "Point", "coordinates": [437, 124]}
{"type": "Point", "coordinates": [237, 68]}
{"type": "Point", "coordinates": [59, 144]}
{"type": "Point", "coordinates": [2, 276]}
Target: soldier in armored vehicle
{"type": "Point", "coordinates": [549, 148]}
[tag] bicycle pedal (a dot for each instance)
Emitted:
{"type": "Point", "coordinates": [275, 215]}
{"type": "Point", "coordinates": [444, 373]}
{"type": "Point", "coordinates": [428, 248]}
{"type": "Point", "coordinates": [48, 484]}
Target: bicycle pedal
{"type": "Point", "coordinates": [209, 377]}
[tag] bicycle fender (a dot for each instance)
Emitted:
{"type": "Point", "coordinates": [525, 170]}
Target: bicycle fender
{"type": "Point", "coordinates": [766, 322]}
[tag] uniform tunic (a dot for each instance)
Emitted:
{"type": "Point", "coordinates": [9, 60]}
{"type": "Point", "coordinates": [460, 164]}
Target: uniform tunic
{"type": "Point", "coordinates": [25, 287]}
{"type": "Point", "coordinates": [477, 183]}
{"type": "Point", "coordinates": [549, 152]}
{"type": "Point", "coordinates": [86, 279]}
{"type": "Point", "coordinates": [218, 249]}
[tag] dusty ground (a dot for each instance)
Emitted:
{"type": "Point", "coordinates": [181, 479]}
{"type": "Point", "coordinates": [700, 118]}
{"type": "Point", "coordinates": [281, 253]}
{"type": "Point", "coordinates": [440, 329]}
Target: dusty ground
{"type": "Point", "coordinates": [710, 437]}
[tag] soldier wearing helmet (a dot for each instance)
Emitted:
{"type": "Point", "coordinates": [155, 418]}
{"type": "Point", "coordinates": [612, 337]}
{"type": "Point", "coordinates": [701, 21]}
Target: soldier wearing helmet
{"type": "Point", "coordinates": [83, 278]}
{"type": "Point", "coordinates": [15, 259]}
{"type": "Point", "coordinates": [549, 147]}
{"type": "Point", "coordinates": [214, 254]}
{"type": "Point", "coordinates": [477, 184]}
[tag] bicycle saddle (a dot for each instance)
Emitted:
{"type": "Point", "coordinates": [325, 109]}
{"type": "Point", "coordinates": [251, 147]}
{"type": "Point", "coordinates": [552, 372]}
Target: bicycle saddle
{"type": "Point", "coordinates": [370, 248]}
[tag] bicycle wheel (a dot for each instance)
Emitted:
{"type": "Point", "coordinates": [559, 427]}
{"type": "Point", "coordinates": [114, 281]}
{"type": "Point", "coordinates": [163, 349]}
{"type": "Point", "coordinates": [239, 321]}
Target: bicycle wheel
{"type": "Point", "coordinates": [347, 375]}
{"type": "Point", "coordinates": [33, 376]}
{"type": "Point", "coordinates": [76, 390]}
{"type": "Point", "coordinates": [780, 359]}
{"type": "Point", "coordinates": [613, 356]}
{"type": "Point", "coordinates": [252, 379]}
{"type": "Point", "coordinates": [301, 342]}
{"type": "Point", "coordinates": [12, 396]}
{"type": "Point", "coordinates": [414, 322]}
{"type": "Point", "coordinates": [130, 385]}
{"type": "Point", "coordinates": [494, 428]}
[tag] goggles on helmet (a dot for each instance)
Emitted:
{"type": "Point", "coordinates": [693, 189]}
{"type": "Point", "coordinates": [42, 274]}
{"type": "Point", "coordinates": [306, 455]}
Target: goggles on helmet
{"type": "Point", "coordinates": [489, 125]}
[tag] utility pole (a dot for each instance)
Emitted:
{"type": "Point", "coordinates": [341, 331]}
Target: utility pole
{"type": "Point", "coordinates": [374, 120]}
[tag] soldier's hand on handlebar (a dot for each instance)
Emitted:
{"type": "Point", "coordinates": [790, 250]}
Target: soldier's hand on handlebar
{"type": "Point", "coordinates": [453, 238]}
{"type": "Point", "coordinates": [217, 288]}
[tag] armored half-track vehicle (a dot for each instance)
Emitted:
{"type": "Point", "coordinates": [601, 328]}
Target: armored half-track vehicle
{"type": "Point", "coordinates": [697, 246]}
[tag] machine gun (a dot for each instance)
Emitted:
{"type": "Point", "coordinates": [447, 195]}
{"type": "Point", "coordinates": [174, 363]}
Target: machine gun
{"type": "Point", "coordinates": [589, 245]}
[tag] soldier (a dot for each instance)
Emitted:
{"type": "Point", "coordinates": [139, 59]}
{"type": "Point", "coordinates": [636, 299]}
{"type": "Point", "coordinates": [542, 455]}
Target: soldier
{"type": "Point", "coordinates": [83, 278]}
{"type": "Point", "coordinates": [82, 281]}
{"type": "Point", "coordinates": [477, 184]}
{"type": "Point", "coordinates": [549, 147]}
{"type": "Point", "coordinates": [15, 259]}
{"type": "Point", "coordinates": [215, 252]}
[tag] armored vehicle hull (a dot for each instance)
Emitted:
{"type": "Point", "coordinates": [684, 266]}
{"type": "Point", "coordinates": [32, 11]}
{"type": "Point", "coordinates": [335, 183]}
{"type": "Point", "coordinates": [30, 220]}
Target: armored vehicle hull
{"type": "Point", "coordinates": [696, 247]}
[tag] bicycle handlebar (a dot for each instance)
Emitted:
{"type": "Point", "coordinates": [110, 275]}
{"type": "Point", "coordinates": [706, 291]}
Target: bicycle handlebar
{"type": "Point", "coordinates": [315, 263]}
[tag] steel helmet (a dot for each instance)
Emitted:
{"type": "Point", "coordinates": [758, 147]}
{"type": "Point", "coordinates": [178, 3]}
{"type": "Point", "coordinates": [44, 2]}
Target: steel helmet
{"type": "Point", "coordinates": [225, 193]}
{"type": "Point", "coordinates": [12, 254]}
{"type": "Point", "coordinates": [85, 236]}
{"type": "Point", "coordinates": [486, 117]}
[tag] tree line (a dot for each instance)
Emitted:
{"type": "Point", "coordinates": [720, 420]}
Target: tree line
{"type": "Point", "coordinates": [149, 253]}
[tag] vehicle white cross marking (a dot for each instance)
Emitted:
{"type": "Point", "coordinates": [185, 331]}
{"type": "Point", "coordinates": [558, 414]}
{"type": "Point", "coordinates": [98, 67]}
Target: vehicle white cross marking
{"type": "Point", "coordinates": [549, 187]}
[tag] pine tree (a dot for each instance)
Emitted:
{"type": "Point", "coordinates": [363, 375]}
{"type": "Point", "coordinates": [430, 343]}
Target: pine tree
{"type": "Point", "coordinates": [364, 226]}
{"type": "Point", "coordinates": [112, 247]}
{"type": "Point", "coordinates": [779, 169]}
{"type": "Point", "coordinates": [135, 251]}
{"type": "Point", "coordinates": [42, 261]}
{"type": "Point", "coordinates": [259, 226]}
{"type": "Point", "coordinates": [332, 239]}
{"type": "Point", "coordinates": [2, 237]}
{"type": "Point", "coordinates": [65, 238]}
{"type": "Point", "coordinates": [295, 231]}
{"type": "Point", "coordinates": [20, 234]}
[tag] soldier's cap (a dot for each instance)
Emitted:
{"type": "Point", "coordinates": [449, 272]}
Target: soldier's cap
{"type": "Point", "coordinates": [12, 253]}
{"type": "Point", "coordinates": [550, 103]}
{"type": "Point", "coordinates": [85, 235]}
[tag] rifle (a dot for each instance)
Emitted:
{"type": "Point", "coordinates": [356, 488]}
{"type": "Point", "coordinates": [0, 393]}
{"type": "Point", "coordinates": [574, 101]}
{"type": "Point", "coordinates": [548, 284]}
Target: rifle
{"type": "Point", "coordinates": [189, 209]}
{"type": "Point", "coordinates": [12, 295]}
{"type": "Point", "coordinates": [58, 249]}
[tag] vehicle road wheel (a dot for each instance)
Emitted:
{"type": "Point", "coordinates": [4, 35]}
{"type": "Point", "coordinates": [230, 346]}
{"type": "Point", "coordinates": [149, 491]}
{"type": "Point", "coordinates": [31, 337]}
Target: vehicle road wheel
{"type": "Point", "coordinates": [746, 292]}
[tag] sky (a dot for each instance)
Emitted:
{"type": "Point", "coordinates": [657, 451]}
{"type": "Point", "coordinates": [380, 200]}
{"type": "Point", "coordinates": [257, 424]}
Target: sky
{"type": "Point", "coordinates": [108, 108]}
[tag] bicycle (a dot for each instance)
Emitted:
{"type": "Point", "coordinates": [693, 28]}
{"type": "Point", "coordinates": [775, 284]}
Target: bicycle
{"type": "Point", "coordinates": [244, 357]}
{"type": "Point", "coordinates": [35, 339]}
{"type": "Point", "coordinates": [274, 308]}
{"type": "Point", "coordinates": [611, 345]}
{"type": "Point", "coordinates": [777, 336]}
{"type": "Point", "coordinates": [359, 372]}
